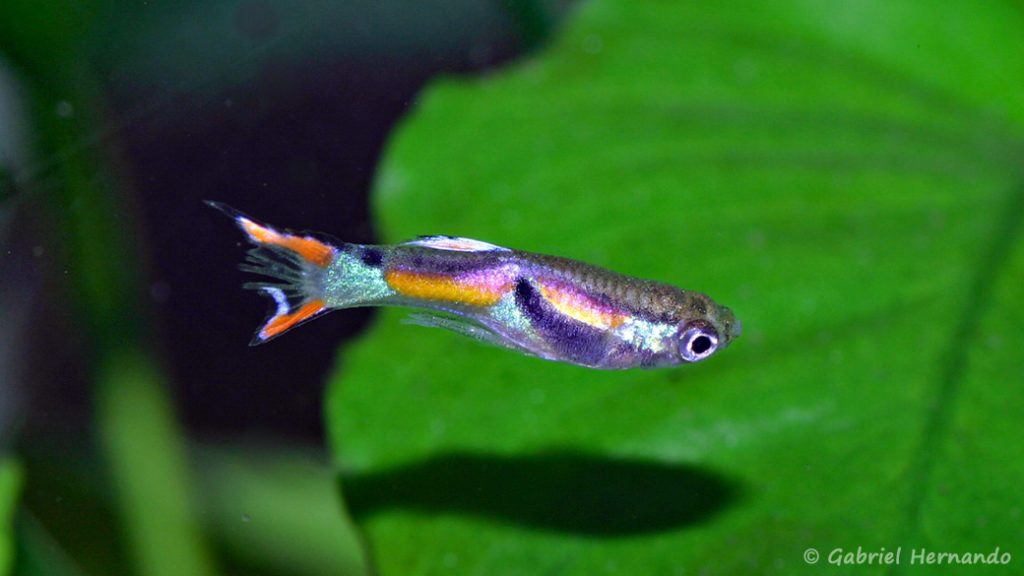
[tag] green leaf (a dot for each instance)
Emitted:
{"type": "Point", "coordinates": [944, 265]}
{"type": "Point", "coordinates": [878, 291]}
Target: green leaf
{"type": "Point", "coordinates": [846, 178]}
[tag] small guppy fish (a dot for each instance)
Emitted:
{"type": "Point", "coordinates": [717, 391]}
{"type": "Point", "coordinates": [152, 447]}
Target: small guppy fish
{"type": "Point", "coordinates": [544, 306]}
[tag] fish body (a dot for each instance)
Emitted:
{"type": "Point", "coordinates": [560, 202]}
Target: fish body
{"type": "Point", "coordinates": [545, 306]}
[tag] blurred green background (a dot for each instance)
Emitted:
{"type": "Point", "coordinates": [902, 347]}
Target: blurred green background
{"type": "Point", "coordinates": [846, 177]}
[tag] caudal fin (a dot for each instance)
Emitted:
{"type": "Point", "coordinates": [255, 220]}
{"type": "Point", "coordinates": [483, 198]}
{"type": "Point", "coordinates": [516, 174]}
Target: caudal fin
{"type": "Point", "coordinates": [298, 264]}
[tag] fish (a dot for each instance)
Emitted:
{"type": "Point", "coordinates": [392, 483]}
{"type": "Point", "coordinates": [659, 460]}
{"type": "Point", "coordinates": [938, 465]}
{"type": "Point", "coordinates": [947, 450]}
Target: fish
{"type": "Point", "coordinates": [544, 306]}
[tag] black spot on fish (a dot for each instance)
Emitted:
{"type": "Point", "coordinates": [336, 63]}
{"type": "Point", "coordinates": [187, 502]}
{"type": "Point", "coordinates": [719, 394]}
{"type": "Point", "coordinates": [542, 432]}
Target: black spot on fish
{"type": "Point", "coordinates": [572, 339]}
{"type": "Point", "coordinates": [371, 256]}
{"type": "Point", "coordinates": [529, 301]}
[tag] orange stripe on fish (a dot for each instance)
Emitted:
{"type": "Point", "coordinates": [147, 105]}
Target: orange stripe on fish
{"type": "Point", "coordinates": [281, 323]}
{"type": "Point", "coordinates": [579, 306]}
{"type": "Point", "coordinates": [444, 287]}
{"type": "Point", "coordinates": [309, 248]}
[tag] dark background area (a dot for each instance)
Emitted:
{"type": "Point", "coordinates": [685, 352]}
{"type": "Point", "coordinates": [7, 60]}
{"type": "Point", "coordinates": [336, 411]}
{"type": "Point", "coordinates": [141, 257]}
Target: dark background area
{"type": "Point", "coordinates": [117, 121]}
{"type": "Point", "coordinates": [282, 111]}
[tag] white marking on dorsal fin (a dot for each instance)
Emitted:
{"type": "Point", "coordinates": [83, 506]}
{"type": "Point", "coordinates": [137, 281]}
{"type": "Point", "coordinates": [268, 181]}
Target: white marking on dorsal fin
{"type": "Point", "coordinates": [456, 244]}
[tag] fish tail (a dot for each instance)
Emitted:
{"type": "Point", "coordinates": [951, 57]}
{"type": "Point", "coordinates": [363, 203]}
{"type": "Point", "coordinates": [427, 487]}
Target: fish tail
{"type": "Point", "coordinates": [298, 265]}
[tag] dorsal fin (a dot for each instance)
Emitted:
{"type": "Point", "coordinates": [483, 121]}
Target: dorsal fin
{"type": "Point", "coordinates": [457, 244]}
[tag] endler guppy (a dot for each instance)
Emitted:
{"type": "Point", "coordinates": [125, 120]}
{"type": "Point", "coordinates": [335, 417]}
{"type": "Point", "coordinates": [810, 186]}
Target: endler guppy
{"type": "Point", "coordinates": [553, 308]}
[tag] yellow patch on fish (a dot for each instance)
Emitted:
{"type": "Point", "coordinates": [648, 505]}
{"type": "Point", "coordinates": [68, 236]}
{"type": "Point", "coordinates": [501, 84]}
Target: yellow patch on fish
{"type": "Point", "coordinates": [443, 287]}
{"type": "Point", "coordinates": [579, 306]}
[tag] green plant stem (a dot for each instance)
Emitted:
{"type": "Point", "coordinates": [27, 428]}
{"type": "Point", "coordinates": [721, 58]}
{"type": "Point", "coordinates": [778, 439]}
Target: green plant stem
{"type": "Point", "coordinates": [148, 464]}
{"type": "Point", "coordinates": [10, 487]}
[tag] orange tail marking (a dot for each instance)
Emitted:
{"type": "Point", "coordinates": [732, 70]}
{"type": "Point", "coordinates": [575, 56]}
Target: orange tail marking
{"type": "Point", "coordinates": [309, 248]}
{"type": "Point", "coordinates": [281, 323]}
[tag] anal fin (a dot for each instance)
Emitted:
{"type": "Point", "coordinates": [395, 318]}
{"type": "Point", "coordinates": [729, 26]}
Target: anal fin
{"type": "Point", "coordinates": [474, 330]}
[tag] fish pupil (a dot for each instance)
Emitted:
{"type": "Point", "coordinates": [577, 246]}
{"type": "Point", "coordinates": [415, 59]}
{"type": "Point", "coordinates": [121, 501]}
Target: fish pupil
{"type": "Point", "coordinates": [700, 345]}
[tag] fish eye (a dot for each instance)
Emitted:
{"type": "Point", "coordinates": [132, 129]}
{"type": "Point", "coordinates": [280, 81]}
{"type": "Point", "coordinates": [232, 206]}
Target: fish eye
{"type": "Point", "coordinates": [698, 341]}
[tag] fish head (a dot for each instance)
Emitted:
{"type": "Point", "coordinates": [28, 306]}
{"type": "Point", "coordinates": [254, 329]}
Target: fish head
{"type": "Point", "coordinates": [701, 336]}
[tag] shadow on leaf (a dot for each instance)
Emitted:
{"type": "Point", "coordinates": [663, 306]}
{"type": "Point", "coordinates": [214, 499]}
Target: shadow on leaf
{"type": "Point", "coordinates": [561, 491]}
